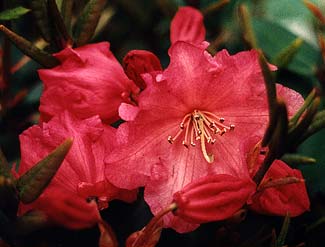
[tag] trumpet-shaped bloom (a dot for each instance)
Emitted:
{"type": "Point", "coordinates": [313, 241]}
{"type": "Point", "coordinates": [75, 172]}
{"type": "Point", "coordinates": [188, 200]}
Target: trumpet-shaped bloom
{"type": "Point", "coordinates": [190, 123]}
{"type": "Point", "coordinates": [81, 175]}
{"type": "Point", "coordinates": [89, 81]}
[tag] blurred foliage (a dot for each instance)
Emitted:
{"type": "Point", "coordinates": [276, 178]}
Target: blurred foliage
{"type": "Point", "coordinates": [11, 14]}
{"type": "Point", "coordinates": [144, 24]}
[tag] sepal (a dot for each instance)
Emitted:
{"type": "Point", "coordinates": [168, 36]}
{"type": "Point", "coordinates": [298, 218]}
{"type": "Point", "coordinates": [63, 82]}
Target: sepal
{"type": "Point", "coordinates": [31, 184]}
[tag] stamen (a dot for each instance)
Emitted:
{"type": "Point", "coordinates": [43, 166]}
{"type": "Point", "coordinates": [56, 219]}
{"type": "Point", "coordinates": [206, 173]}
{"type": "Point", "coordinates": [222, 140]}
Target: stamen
{"type": "Point", "coordinates": [192, 137]}
{"type": "Point", "coordinates": [186, 133]}
{"type": "Point", "coordinates": [172, 139]}
{"type": "Point", "coordinates": [201, 125]}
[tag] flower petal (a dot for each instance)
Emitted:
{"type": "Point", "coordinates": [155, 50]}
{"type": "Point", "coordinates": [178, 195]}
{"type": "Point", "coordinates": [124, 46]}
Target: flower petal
{"type": "Point", "coordinates": [187, 25]}
{"type": "Point", "coordinates": [128, 112]}
{"type": "Point", "coordinates": [85, 162]}
{"type": "Point", "coordinates": [280, 200]}
{"type": "Point", "coordinates": [65, 208]}
{"type": "Point", "coordinates": [89, 81]}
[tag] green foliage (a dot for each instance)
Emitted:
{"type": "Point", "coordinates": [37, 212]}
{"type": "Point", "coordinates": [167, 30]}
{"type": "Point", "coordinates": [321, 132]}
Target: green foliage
{"type": "Point", "coordinates": [272, 38]}
{"type": "Point", "coordinates": [11, 14]}
{"type": "Point", "coordinates": [88, 20]}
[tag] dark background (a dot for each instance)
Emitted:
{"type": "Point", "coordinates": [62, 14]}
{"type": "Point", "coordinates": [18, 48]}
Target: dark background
{"type": "Point", "coordinates": [144, 24]}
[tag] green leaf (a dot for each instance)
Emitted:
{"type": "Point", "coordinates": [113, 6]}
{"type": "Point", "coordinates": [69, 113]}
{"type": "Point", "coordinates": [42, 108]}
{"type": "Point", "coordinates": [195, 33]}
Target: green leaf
{"type": "Point", "coordinates": [66, 12]}
{"type": "Point", "coordinates": [273, 38]}
{"type": "Point", "coordinates": [60, 29]}
{"type": "Point", "coordinates": [245, 22]}
{"type": "Point", "coordinates": [284, 58]}
{"type": "Point", "coordinates": [297, 159]}
{"type": "Point", "coordinates": [40, 56]}
{"type": "Point", "coordinates": [271, 98]}
{"type": "Point", "coordinates": [317, 124]}
{"type": "Point", "coordinates": [39, 10]}
{"type": "Point", "coordinates": [293, 16]}
{"type": "Point", "coordinates": [296, 132]}
{"type": "Point", "coordinates": [11, 14]}
{"type": "Point", "coordinates": [310, 98]}
{"type": "Point", "coordinates": [314, 147]}
{"type": "Point", "coordinates": [284, 231]}
{"type": "Point", "coordinates": [214, 7]}
{"type": "Point", "coordinates": [34, 181]}
{"type": "Point", "coordinates": [87, 21]}
{"type": "Point", "coordinates": [316, 224]}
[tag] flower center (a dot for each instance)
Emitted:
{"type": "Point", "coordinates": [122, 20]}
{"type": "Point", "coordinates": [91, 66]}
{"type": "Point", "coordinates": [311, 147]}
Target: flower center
{"type": "Point", "coordinates": [201, 126]}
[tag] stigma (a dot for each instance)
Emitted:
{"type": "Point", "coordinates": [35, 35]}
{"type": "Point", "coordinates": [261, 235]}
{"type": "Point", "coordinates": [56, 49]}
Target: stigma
{"type": "Point", "coordinates": [201, 127]}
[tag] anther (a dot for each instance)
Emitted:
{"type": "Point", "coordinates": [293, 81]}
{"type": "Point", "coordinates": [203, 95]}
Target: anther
{"type": "Point", "coordinates": [221, 120]}
{"type": "Point", "coordinates": [170, 139]}
{"type": "Point", "coordinates": [185, 144]}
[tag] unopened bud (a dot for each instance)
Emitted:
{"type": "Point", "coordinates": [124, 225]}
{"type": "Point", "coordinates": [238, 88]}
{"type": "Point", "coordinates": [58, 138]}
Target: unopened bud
{"type": "Point", "coordinates": [138, 62]}
{"type": "Point", "coordinates": [214, 197]}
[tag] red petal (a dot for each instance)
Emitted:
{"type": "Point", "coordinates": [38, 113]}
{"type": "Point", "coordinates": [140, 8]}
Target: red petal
{"type": "Point", "coordinates": [65, 208]}
{"type": "Point", "coordinates": [82, 171]}
{"type": "Point", "coordinates": [280, 200]}
{"type": "Point", "coordinates": [187, 25]}
{"type": "Point", "coordinates": [138, 62]}
{"type": "Point", "coordinates": [89, 82]}
{"type": "Point", "coordinates": [128, 112]}
{"type": "Point", "coordinates": [211, 198]}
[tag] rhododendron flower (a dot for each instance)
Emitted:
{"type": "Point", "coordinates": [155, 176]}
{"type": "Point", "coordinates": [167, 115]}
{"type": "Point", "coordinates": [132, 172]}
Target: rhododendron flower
{"type": "Point", "coordinates": [81, 175]}
{"type": "Point", "coordinates": [190, 123]}
{"type": "Point", "coordinates": [282, 189]}
{"type": "Point", "coordinates": [214, 197]}
{"type": "Point", "coordinates": [89, 81]}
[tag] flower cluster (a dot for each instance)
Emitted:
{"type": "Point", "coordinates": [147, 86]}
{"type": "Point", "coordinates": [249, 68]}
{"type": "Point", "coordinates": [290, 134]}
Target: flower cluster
{"type": "Point", "coordinates": [187, 134]}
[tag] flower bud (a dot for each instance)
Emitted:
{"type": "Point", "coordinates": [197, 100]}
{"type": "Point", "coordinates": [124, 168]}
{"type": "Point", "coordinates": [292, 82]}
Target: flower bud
{"type": "Point", "coordinates": [214, 197]}
{"type": "Point", "coordinates": [138, 62]}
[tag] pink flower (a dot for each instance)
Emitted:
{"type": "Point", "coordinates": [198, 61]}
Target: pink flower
{"type": "Point", "coordinates": [81, 175]}
{"type": "Point", "coordinates": [187, 25]}
{"type": "Point", "coordinates": [282, 189]}
{"type": "Point", "coordinates": [89, 81]}
{"type": "Point", "coordinates": [190, 123]}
